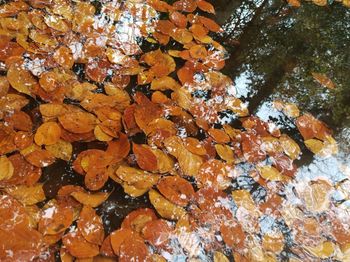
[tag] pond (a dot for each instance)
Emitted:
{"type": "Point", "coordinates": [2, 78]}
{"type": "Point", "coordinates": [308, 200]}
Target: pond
{"type": "Point", "coordinates": [180, 170]}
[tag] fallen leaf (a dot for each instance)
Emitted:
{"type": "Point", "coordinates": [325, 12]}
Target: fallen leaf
{"type": "Point", "coordinates": [165, 208]}
{"type": "Point", "coordinates": [322, 78]}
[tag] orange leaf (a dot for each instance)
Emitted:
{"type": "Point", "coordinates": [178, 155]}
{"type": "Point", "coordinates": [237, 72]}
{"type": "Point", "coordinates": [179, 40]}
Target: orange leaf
{"type": "Point", "coordinates": [206, 6]}
{"type": "Point", "coordinates": [323, 80]}
{"type": "Point", "coordinates": [176, 189]}
{"type": "Point", "coordinates": [157, 232]}
{"type": "Point", "coordinates": [138, 218]}
{"type": "Point", "coordinates": [77, 245]}
{"type": "Point", "coordinates": [294, 3]}
{"type": "Point", "coordinates": [90, 225]}
{"type": "Point", "coordinates": [145, 157]}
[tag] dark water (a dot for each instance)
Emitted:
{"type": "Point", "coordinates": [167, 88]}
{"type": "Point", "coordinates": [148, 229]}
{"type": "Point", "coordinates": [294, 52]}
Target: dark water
{"type": "Point", "coordinates": [274, 49]}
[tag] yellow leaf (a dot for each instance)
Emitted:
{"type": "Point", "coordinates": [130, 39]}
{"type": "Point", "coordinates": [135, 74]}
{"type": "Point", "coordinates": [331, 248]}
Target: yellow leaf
{"type": "Point", "coordinates": [164, 207]}
{"type": "Point", "coordinates": [314, 145]}
{"type": "Point", "coordinates": [20, 79]}
{"type": "Point", "coordinates": [243, 198]}
{"type": "Point", "coordinates": [220, 257]}
{"type": "Point", "coordinates": [315, 195]}
{"type": "Point", "coordinates": [273, 242]}
{"type": "Point", "coordinates": [324, 149]}
{"type": "Point", "coordinates": [270, 173]}
{"type": "Point", "coordinates": [6, 168]}
{"type": "Point", "coordinates": [62, 149]}
{"type": "Point", "coordinates": [136, 177]}
{"type": "Point", "coordinates": [291, 110]}
{"type": "Point", "coordinates": [27, 195]}
{"type": "Point", "coordinates": [290, 147]}
{"type": "Point", "coordinates": [324, 250]}
{"type": "Point", "coordinates": [225, 152]}
{"type": "Point", "coordinates": [100, 135]}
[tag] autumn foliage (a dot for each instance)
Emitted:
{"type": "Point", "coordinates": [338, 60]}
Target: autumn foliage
{"type": "Point", "coordinates": [188, 161]}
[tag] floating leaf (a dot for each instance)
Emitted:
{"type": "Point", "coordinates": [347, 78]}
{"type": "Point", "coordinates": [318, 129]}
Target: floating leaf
{"type": "Point", "coordinates": [323, 80]}
{"type": "Point", "coordinates": [55, 218]}
{"type": "Point", "coordinates": [220, 257]}
{"type": "Point", "coordinates": [90, 225]}
{"type": "Point", "coordinates": [28, 195]}
{"type": "Point", "coordinates": [137, 219]}
{"type": "Point", "coordinates": [61, 149]}
{"type": "Point", "coordinates": [164, 207]}
{"type": "Point", "coordinates": [206, 6]}
{"type": "Point", "coordinates": [145, 157]}
{"type": "Point", "coordinates": [323, 250]}
{"type": "Point", "coordinates": [78, 247]}
{"type": "Point", "coordinates": [176, 189]}
{"type": "Point", "coordinates": [48, 133]}
{"type": "Point", "coordinates": [294, 3]}
{"type": "Point", "coordinates": [90, 199]}
{"type": "Point", "coordinates": [20, 79]}
{"type": "Point", "coordinates": [78, 122]}
{"type": "Point", "coordinates": [214, 173]}
{"type": "Point", "coordinates": [270, 173]}
{"type": "Point", "coordinates": [6, 168]}
{"type": "Point", "coordinates": [315, 195]}
{"type": "Point", "coordinates": [157, 232]}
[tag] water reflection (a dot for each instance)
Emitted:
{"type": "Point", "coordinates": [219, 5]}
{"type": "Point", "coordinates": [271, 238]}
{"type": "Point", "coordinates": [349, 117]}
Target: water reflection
{"type": "Point", "coordinates": [280, 48]}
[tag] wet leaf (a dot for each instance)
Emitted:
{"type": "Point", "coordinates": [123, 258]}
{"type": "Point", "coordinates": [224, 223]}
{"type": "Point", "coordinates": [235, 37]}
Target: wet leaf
{"type": "Point", "coordinates": [40, 158]}
{"type": "Point", "coordinates": [16, 236]}
{"type": "Point", "coordinates": [133, 249]}
{"type": "Point", "coordinates": [137, 219]}
{"type": "Point", "coordinates": [145, 158]}
{"type": "Point", "coordinates": [315, 195]}
{"type": "Point", "coordinates": [119, 236]}
{"type": "Point", "coordinates": [6, 168]}
{"type": "Point", "coordinates": [61, 149]}
{"type": "Point", "coordinates": [220, 257]}
{"type": "Point", "coordinates": [324, 250]}
{"type": "Point", "coordinates": [90, 225]}
{"type": "Point", "coordinates": [273, 242]}
{"type": "Point", "coordinates": [55, 218]}
{"type": "Point", "coordinates": [294, 3]}
{"type": "Point", "coordinates": [78, 247]}
{"type": "Point", "coordinates": [90, 199]}
{"type": "Point", "coordinates": [323, 80]}
{"type": "Point", "coordinates": [214, 173]}
{"type": "Point", "coordinates": [47, 134]}
{"type": "Point", "coordinates": [136, 177]}
{"type": "Point", "coordinates": [164, 207]}
{"type": "Point", "coordinates": [20, 79]}
{"type": "Point", "coordinates": [270, 173]}
{"type": "Point", "coordinates": [157, 232]}
{"type": "Point", "coordinates": [206, 6]}
{"type": "Point", "coordinates": [78, 122]}
{"type": "Point", "coordinates": [176, 189]}
{"type": "Point", "coordinates": [27, 195]}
